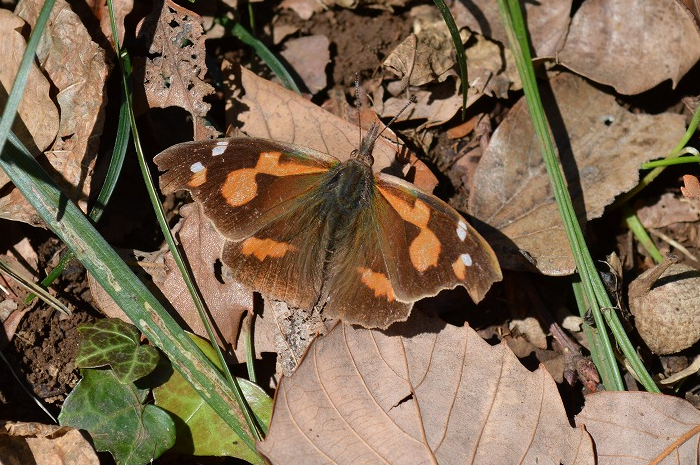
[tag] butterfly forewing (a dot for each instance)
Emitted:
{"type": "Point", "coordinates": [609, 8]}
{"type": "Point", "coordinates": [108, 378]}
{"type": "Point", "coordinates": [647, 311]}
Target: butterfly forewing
{"type": "Point", "coordinates": [428, 245]}
{"type": "Point", "coordinates": [243, 184]}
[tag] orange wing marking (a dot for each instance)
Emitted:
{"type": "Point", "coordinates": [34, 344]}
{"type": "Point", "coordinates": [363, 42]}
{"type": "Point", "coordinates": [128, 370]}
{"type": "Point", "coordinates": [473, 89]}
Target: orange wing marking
{"type": "Point", "coordinates": [424, 251]}
{"type": "Point", "coordinates": [459, 267]}
{"type": "Point", "coordinates": [199, 175]}
{"type": "Point", "coordinates": [263, 248]}
{"type": "Point", "coordinates": [378, 282]}
{"type": "Point", "coordinates": [240, 186]}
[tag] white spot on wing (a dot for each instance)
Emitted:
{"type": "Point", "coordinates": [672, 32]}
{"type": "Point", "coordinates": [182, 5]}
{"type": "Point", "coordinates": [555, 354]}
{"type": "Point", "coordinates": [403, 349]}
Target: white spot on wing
{"type": "Point", "coordinates": [462, 230]}
{"type": "Point", "coordinates": [466, 259]}
{"type": "Point", "coordinates": [196, 167]}
{"type": "Point", "coordinates": [219, 148]}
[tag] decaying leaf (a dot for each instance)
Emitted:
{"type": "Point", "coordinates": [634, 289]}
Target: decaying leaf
{"type": "Point", "coordinates": [641, 427]}
{"type": "Point", "coordinates": [424, 392]}
{"type": "Point", "coordinates": [631, 45]}
{"type": "Point", "coordinates": [77, 69]}
{"type": "Point", "coordinates": [601, 146]}
{"type": "Point", "coordinates": [260, 108]}
{"type": "Point", "coordinates": [174, 76]}
{"type": "Point", "coordinates": [37, 121]}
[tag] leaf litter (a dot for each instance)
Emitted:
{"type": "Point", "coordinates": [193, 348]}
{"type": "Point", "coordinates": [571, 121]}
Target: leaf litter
{"type": "Point", "coordinates": [604, 145]}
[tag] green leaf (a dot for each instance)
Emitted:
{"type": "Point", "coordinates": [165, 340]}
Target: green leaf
{"type": "Point", "coordinates": [195, 421]}
{"type": "Point", "coordinates": [118, 422]}
{"type": "Point", "coordinates": [115, 343]}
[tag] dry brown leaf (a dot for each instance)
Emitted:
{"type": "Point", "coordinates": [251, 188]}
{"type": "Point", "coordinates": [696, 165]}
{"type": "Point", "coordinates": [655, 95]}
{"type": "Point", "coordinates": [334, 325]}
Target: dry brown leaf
{"type": "Point", "coordinates": [37, 122]}
{"type": "Point", "coordinates": [44, 444]}
{"type": "Point", "coordinates": [601, 145]}
{"type": "Point", "coordinates": [174, 75]}
{"type": "Point", "coordinates": [631, 45]}
{"type": "Point", "coordinates": [77, 69]}
{"type": "Point", "coordinates": [547, 22]}
{"type": "Point", "coordinates": [422, 393]}
{"type": "Point", "coordinates": [425, 56]}
{"type": "Point", "coordinates": [640, 427]}
{"type": "Point", "coordinates": [226, 300]}
{"type": "Point", "coordinates": [263, 109]}
{"type": "Point", "coordinates": [309, 57]}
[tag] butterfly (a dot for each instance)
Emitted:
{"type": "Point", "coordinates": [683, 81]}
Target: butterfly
{"type": "Point", "coordinates": [305, 228]}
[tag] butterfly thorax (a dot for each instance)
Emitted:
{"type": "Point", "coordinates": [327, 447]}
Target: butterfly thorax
{"type": "Point", "coordinates": [348, 189]}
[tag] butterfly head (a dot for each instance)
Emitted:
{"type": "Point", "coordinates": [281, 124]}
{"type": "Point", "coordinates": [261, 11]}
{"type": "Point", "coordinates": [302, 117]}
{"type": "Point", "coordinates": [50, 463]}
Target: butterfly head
{"type": "Point", "coordinates": [364, 153]}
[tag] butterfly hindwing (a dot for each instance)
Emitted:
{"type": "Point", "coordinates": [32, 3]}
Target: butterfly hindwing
{"type": "Point", "coordinates": [428, 245]}
{"type": "Point", "coordinates": [359, 288]}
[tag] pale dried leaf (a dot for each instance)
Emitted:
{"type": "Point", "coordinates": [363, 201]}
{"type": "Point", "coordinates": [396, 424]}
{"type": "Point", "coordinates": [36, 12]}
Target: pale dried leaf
{"type": "Point", "coordinates": [437, 104]}
{"type": "Point", "coordinates": [44, 444]}
{"type": "Point", "coordinates": [77, 68]}
{"type": "Point", "coordinates": [305, 9]}
{"type": "Point", "coordinates": [121, 9]}
{"type": "Point", "coordinates": [309, 56]}
{"type": "Point", "coordinates": [492, 68]}
{"type": "Point", "coordinates": [174, 75]}
{"type": "Point", "coordinates": [631, 45]}
{"type": "Point", "coordinates": [547, 22]}
{"type": "Point", "coordinates": [37, 121]}
{"type": "Point", "coordinates": [601, 146]}
{"type": "Point", "coordinates": [263, 109]}
{"type": "Point", "coordinates": [640, 427]}
{"type": "Point", "coordinates": [422, 393]}
{"type": "Point", "coordinates": [667, 210]}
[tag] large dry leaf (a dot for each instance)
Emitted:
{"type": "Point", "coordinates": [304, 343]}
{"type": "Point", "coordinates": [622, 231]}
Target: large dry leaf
{"type": "Point", "coordinates": [640, 428]}
{"type": "Point", "coordinates": [632, 45]}
{"type": "Point", "coordinates": [601, 146]}
{"type": "Point", "coordinates": [37, 122]}
{"type": "Point", "coordinates": [547, 22]}
{"type": "Point", "coordinates": [422, 393]}
{"type": "Point", "coordinates": [174, 75]}
{"type": "Point", "coordinates": [260, 108]}
{"type": "Point", "coordinates": [77, 69]}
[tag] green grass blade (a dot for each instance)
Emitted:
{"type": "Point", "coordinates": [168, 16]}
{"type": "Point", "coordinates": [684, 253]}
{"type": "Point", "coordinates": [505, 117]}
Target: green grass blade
{"type": "Point", "coordinates": [593, 289]}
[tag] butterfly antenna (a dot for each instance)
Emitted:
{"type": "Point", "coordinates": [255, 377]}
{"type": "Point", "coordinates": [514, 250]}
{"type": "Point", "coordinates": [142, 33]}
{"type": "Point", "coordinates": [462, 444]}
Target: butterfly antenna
{"type": "Point", "coordinates": [376, 129]}
{"type": "Point", "coordinates": [358, 104]}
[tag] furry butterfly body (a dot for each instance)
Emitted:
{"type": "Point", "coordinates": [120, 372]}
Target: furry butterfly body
{"type": "Point", "coordinates": [303, 227]}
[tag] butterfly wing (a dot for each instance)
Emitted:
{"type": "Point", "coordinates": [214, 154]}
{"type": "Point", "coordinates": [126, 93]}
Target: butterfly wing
{"type": "Point", "coordinates": [258, 195]}
{"type": "Point", "coordinates": [242, 183]}
{"type": "Point", "coordinates": [359, 290]}
{"type": "Point", "coordinates": [427, 245]}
